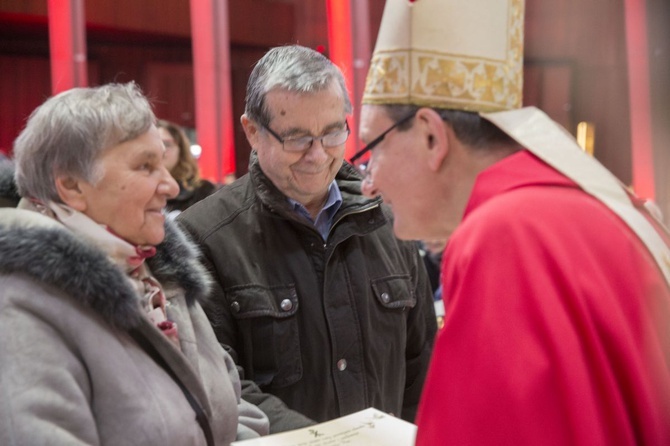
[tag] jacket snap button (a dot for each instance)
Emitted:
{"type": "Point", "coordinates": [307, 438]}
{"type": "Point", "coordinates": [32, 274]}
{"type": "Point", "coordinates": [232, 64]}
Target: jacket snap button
{"type": "Point", "coordinates": [342, 365]}
{"type": "Point", "coordinates": [235, 306]}
{"type": "Point", "coordinates": [286, 304]}
{"type": "Point", "coordinates": [386, 298]}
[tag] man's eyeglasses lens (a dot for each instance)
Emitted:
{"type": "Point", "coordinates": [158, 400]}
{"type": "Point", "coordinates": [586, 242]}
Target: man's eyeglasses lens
{"type": "Point", "coordinates": [329, 140]}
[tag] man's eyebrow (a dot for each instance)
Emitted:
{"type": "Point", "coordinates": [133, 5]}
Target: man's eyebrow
{"type": "Point", "coordinates": [339, 125]}
{"type": "Point", "coordinates": [293, 131]}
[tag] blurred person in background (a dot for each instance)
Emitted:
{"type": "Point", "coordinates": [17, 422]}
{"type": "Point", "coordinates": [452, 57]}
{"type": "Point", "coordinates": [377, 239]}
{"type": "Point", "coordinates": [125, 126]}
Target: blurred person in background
{"type": "Point", "coordinates": [431, 252]}
{"type": "Point", "coordinates": [102, 336]}
{"type": "Point", "coordinates": [9, 195]}
{"type": "Point", "coordinates": [183, 167]}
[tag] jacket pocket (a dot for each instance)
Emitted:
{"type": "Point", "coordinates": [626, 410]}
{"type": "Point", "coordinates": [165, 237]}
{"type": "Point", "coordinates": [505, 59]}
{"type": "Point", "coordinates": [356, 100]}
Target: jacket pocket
{"type": "Point", "coordinates": [266, 317]}
{"type": "Point", "coordinates": [394, 298]}
{"type": "Point", "coordinates": [394, 292]}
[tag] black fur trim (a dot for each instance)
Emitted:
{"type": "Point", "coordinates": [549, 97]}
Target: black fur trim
{"type": "Point", "coordinates": [56, 257]}
{"type": "Point", "coordinates": [176, 264]}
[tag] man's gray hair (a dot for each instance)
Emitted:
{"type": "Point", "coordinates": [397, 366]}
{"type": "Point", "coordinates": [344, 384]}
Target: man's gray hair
{"type": "Point", "coordinates": [68, 132]}
{"type": "Point", "coordinates": [293, 68]}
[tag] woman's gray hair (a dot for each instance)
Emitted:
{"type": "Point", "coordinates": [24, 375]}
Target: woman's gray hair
{"type": "Point", "coordinates": [293, 68]}
{"type": "Point", "coordinates": [67, 133]}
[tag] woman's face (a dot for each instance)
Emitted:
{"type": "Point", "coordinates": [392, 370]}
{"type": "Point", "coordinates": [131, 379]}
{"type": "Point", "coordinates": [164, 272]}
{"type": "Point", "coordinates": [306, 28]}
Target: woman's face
{"type": "Point", "coordinates": [134, 187]}
{"type": "Point", "coordinates": [171, 149]}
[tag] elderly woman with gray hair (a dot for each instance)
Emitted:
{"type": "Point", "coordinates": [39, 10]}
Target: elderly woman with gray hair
{"type": "Point", "coordinates": [102, 336]}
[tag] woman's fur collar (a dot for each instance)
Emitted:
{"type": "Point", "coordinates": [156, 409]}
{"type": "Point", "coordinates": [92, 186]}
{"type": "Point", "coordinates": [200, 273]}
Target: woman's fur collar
{"type": "Point", "coordinates": [54, 256]}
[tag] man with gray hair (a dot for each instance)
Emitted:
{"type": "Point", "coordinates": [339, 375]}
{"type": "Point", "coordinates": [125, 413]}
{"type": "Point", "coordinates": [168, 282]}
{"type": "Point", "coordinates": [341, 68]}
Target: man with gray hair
{"type": "Point", "coordinates": [320, 303]}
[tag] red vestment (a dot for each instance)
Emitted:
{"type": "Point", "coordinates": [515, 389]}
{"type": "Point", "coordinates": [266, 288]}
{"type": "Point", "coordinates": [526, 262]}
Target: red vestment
{"type": "Point", "coordinates": [557, 326]}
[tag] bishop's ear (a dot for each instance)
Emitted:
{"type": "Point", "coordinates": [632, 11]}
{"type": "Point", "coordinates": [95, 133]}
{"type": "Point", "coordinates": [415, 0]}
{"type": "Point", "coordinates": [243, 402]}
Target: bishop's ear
{"type": "Point", "coordinates": [70, 192]}
{"type": "Point", "coordinates": [436, 135]}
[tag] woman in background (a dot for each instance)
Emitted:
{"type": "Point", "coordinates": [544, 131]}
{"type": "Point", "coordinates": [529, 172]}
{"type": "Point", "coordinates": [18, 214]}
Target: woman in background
{"type": "Point", "coordinates": [102, 336]}
{"type": "Point", "coordinates": [183, 168]}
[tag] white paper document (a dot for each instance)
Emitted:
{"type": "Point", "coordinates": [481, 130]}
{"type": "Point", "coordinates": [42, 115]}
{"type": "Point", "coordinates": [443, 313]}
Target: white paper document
{"type": "Point", "coordinates": [369, 427]}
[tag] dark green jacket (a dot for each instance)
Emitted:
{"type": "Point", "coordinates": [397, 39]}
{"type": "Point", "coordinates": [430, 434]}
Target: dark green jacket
{"type": "Point", "coordinates": [330, 328]}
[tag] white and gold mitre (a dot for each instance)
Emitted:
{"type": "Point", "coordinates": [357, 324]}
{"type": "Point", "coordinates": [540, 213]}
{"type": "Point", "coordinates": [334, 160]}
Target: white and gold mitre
{"type": "Point", "coordinates": [456, 54]}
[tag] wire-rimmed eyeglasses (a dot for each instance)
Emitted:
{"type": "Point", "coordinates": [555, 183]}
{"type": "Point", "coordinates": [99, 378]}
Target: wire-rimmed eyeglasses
{"type": "Point", "coordinates": [378, 139]}
{"type": "Point", "coordinates": [329, 140]}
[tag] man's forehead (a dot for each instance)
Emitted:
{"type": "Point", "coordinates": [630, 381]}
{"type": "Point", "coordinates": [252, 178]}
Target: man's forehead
{"type": "Point", "coordinates": [374, 112]}
{"type": "Point", "coordinates": [281, 91]}
{"type": "Point", "coordinates": [280, 97]}
{"type": "Point", "coordinates": [373, 116]}
{"type": "Point", "coordinates": [296, 111]}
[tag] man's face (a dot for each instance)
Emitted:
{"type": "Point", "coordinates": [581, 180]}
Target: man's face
{"type": "Point", "coordinates": [396, 172]}
{"type": "Point", "coordinates": [303, 176]}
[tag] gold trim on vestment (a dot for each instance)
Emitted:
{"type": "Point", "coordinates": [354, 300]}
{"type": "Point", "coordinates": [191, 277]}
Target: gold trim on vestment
{"type": "Point", "coordinates": [430, 78]}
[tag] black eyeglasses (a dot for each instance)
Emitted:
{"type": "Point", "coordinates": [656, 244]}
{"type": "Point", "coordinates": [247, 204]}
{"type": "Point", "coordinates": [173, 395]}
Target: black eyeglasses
{"type": "Point", "coordinates": [379, 139]}
{"type": "Point", "coordinates": [329, 140]}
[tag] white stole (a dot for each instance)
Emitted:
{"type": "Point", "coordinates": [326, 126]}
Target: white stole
{"type": "Point", "coordinates": [550, 142]}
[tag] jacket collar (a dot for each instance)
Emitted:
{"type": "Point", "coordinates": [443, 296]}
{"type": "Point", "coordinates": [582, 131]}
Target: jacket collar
{"type": "Point", "coordinates": [348, 180]}
{"type": "Point", "coordinates": [50, 254]}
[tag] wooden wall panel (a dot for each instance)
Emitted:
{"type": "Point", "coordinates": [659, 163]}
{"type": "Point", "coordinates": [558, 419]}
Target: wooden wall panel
{"type": "Point", "coordinates": [376, 11]}
{"type": "Point", "coordinates": [158, 16]}
{"type": "Point", "coordinates": [532, 85]}
{"type": "Point", "coordinates": [601, 97]}
{"type": "Point", "coordinates": [128, 37]}
{"type": "Point", "coordinates": [243, 60]}
{"type": "Point", "coordinates": [123, 63]}
{"type": "Point", "coordinates": [25, 83]}
{"type": "Point", "coordinates": [658, 16]}
{"type": "Point", "coordinates": [548, 86]}
{"type": "Point", "coordinates": [170, 87]}
{"type": "Point", "coordinates": [547, 28]}
{"type": "Point", "coordinates": [171, 18]}
{"type": "Point", "coordinates": [249, 21]}
{"type": "Point", "coordinates": [311, 27]}
{"type": "Point", "coordinates": [38, 7]}
{"type": "Point", "coordinates": [589, 37]}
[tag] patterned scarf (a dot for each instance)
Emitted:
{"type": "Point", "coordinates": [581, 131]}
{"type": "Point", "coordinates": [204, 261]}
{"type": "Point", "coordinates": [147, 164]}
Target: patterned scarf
{"type": "Point", "coordinates": [129, 258]}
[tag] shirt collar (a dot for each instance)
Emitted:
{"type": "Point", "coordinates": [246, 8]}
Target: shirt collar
{"type": "Point", "coordinates": [334, 199]}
